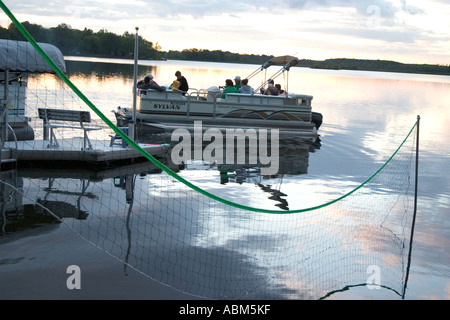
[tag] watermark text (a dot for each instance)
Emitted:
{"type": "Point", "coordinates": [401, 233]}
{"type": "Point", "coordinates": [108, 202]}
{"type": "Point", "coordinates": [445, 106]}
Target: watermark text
{"type": "Point", "coordinates": [233, 142]}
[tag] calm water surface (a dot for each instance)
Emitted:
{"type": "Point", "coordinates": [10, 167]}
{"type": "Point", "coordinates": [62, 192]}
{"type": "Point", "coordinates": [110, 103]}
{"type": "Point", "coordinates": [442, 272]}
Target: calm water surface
{"type": "Point", "coordinates": [366, 117]}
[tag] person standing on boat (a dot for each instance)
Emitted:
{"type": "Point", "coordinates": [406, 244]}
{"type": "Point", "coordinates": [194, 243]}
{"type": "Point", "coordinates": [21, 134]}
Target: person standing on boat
{"type": "Point", "coordinates": [229, 88]}
{"type": "Point", "coordinates": [245, 88]}
{"type": "Point", "coordinates": [184, 87]}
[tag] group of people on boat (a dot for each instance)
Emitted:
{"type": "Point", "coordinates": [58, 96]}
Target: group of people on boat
{"type": "Point", "coordinates": [180, 84]}
{"type": "Point", "coordinates": [273, 89]}
{"type": "Point", "coordinates": [239, 86]}
{"type": "Point", "coordinates": [242, 87]}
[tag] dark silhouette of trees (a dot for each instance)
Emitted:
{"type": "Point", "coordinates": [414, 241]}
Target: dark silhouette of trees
{"type": "Point", "coordinates": [216, 56]}
{"type": "Point", "coordinates": [376, 65]}
{"type": "Point", "coordinates": [85, 42]}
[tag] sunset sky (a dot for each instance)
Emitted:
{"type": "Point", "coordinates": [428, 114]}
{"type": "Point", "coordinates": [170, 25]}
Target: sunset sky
{"type": "Point", "coordinates": [409, 31]}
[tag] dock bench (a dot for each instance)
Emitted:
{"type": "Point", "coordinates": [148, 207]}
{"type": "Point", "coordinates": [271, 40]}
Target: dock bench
{"type": "Point", "coordinates": [57, 118]}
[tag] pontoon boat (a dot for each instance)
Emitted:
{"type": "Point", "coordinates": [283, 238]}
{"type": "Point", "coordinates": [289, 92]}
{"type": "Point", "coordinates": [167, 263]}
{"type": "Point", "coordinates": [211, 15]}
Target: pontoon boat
{"type": "Point", "coordinates": [166, 110]}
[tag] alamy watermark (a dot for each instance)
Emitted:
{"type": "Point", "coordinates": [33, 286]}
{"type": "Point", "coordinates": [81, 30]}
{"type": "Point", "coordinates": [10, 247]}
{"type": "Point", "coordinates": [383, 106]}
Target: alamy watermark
{"type": "Point", "coordinates": [74, 280]}
{"type": "Point", "coordinates": [374, 18]}
{"type": "Point", "coordinates": [374, 279]}
{"type": "Point", "coordinates": [233, 142]}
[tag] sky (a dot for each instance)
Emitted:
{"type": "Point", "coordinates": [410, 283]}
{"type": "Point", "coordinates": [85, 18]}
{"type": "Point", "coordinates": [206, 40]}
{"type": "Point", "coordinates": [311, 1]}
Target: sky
{"type": "Point", "coordinates": [408, 31]}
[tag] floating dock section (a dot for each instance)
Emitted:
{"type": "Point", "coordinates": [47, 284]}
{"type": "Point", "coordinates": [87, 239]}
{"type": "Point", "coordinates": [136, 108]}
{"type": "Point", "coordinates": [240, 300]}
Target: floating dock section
{"type": "Point", "coordinates": [70, 151]}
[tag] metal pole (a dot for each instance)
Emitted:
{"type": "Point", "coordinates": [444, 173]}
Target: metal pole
{"type": "Point", "coordinates": [4, 110]}
{"type": "Point", "coordinates": [136, 59]}
{"type": "Point", "coordinates": [415, 206]}
{"type": "Point", "coordinates": [136, 65]}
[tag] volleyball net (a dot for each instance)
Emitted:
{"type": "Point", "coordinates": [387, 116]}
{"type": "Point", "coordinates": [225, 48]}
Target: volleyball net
{"type": "Point", "coordinates": [184, 232]}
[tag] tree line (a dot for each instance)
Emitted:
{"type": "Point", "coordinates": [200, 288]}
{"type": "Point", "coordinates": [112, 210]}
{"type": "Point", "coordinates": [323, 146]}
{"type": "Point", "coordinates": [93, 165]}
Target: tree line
{"type": "Point", "coordinates": [73, 42]}
{"type": "Point", "coordinates": [376, 65]}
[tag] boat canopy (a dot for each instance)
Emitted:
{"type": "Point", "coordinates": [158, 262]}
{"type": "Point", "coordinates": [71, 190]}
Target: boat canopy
{"type": "Point", "coordinates": [21, 56]}
{"type": "Point", "coordinates": [287, 61]}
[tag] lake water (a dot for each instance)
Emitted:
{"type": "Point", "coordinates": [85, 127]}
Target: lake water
{"type": "Point", "coordinates": [367, 115]}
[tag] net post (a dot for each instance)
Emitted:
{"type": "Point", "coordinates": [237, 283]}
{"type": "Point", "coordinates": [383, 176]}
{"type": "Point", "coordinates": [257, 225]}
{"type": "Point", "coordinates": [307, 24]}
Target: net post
{"type": "Point", "coordinates": [417, 169]}
{"type": "Point", "coordinates": [415, 205]}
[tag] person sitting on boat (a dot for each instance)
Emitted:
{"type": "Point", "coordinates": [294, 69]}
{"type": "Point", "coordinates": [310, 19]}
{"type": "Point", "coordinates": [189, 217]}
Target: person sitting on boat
{"type": "Point", "coordinates": [229, 88]}
{"type": "Point", "coordinates": [183, 82]}
{"type": "Point", "coordinates": [148, 79]}
{"type": "Point", "coordinates": [175, 85]}
{"type": "Point", "coordinates": [280, 91]}
{"type": "Point", "coordinates": [149, 83]}
{"type": "Point", "coordinates": [245, 88]}
{"type": "Point", "coordinates": [271, 90]}
{"type": "Point", "coordinates": [237, 81]}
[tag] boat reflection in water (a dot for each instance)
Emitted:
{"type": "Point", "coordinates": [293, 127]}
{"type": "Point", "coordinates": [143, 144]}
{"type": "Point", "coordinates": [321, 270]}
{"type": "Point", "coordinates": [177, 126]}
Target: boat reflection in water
{"type": "Point", "coordinates": [58, 183]}
{"type": "Point", "coordinates": [293, 160]}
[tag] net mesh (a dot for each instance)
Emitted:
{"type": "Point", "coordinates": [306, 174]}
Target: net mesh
{"type": "Point", "coordinates": [189, 236]}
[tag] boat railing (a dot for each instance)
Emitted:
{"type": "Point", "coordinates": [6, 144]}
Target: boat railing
{"type": "Point", "coordinates": [196, 95]}
{"type": "Point", "coordinates": [214, 98]}
{"type": "Point", "coordinates": [302, 99]}
{"type": "Point", "coordinates": [262, 99]}
{"type": "Point", "coordinates": [203, 95]}
{"type": "Point", "coordinates": [167, 94]}
{"type": "Point", "coordinates": [177, 96]}
{"type": "Point", "coordinates": [256, 99]}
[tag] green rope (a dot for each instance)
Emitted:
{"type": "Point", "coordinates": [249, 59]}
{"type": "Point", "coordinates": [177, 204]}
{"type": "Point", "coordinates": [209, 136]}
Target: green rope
{"type": "Point", "coordinates": [136, 146]}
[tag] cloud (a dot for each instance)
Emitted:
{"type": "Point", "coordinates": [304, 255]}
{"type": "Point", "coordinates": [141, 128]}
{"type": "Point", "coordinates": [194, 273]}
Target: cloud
{"type": "Point", "coordinates": [411, 9]}
{"type": "Point", "coordinates": [139, 9]}
{"type": "Point", "coordinates": [239, 26]}
{"type": "Point", "coordinates": [394, 35]}
{"type": "Point", "coordinates": [197, 8]}
{"type": "Point", "coordinates": [386, 8]}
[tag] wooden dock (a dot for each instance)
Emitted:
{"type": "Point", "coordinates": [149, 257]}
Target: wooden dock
{"type": "Point", "coordinates": [71, 151]}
